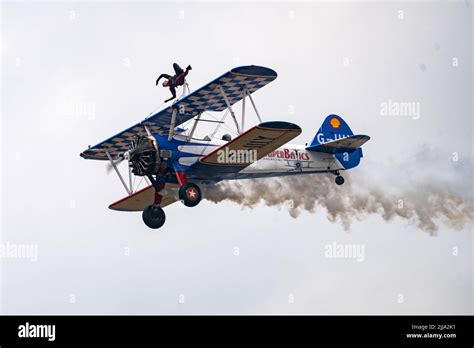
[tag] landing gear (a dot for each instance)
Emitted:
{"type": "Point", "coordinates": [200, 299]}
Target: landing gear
{"type": "Point", "coordinates": [190, 194]}
{"type": "Point", "coordinates": [339, 180]}
{"type": "Point", "coordinates": [154, 216]}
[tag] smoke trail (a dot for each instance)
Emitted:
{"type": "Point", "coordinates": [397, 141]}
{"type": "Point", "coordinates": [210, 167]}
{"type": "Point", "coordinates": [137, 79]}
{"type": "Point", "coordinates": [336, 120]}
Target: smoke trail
{"type": "Point", "coordinates": [424, 199]}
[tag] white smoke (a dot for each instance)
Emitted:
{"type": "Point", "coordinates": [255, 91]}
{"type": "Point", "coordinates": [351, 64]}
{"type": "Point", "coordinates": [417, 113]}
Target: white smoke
{"type": "Point", "coordinates": [426, 191]}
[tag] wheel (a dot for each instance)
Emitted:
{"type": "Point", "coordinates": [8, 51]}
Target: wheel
{"type": "Point", "coordinates": [190, 194]}
{"type": "Point", "coordinates": [153, 216]}
{"type": "Point", "coordinates": [339, 180]}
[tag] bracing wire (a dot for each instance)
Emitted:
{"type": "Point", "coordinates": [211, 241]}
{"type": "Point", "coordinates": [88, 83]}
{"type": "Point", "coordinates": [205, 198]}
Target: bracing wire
{"type": "Point", "coordinates": [223, 125]}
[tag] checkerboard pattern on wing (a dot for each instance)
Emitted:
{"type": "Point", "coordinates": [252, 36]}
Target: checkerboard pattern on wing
{"type": "Point", "coordinates": [210, 98]}
{"type": "Point", "coordinates": [207, 98]}
{"type": "Point", "coordinates": [120, 143]}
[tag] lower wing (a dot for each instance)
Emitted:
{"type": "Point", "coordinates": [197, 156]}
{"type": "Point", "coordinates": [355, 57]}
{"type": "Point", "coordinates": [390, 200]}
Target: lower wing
{"type": "Point", "coordinates": [139, 200]}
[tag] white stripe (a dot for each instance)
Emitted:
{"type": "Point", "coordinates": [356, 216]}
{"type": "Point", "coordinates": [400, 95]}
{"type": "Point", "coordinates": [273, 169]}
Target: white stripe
{"type": "Point", "coordinates": [188, 161]}
{"type": "Point", "coordinates": [197, 150]}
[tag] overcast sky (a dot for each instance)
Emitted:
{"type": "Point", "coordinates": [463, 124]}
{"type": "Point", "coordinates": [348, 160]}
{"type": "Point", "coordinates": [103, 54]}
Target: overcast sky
{"type": "Point", "coordinates": [73, 74]}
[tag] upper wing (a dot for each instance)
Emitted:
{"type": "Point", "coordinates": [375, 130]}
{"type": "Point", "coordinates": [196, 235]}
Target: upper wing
{"type": "Point", "coordinates": [247, 148]}
{"type": "Point", "coordinates": [139, 200]}
{"type": "Point", "coordinates": [207, 98]}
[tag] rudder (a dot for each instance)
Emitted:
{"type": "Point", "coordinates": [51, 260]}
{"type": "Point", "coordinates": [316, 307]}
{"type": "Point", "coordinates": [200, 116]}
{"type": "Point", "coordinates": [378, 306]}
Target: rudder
{"type": "Point", "coordinates": [333, 128]}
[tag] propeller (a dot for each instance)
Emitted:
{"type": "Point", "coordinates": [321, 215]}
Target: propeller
{"type": "Point", "coordinates": [141, 155]}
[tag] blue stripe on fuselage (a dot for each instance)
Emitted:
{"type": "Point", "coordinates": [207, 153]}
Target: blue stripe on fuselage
{"type": "Point", "coordinates": [173, 145]}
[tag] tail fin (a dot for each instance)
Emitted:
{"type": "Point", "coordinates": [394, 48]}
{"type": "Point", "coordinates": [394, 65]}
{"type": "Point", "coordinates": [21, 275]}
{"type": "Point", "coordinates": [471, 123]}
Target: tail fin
{"type": "Point", "coordinates": [333, 128]}
{"type": "Point", "coordinates": [336, 137]}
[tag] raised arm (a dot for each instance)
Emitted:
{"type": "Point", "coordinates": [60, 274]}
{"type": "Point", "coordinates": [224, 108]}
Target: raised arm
{"type": "Point", "coordinates": [166, 76]}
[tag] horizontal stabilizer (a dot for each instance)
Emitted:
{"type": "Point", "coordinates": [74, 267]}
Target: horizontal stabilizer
{"type": "Point", "coordinates": [347, 144]}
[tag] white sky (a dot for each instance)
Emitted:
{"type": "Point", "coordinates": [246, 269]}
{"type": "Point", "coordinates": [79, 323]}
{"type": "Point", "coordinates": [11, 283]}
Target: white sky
{"type": "Point", "coordinates": [105, 57]}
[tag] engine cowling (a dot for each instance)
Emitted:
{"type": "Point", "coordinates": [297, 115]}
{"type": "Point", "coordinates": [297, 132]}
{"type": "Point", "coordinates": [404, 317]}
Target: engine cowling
{"type": "Point", "coordinates": [144, 158]}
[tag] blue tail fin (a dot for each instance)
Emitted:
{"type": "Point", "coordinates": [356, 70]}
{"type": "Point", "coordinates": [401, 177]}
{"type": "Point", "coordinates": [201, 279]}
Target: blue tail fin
{"type": "Point", "coordinates": [333, 128]}
{"type": "Point", "coordinates": [335, 137]}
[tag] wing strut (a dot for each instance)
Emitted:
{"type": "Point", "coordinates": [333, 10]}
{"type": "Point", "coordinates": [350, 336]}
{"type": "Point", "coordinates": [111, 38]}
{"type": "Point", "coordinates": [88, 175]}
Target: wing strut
{"type": "Point", "coordinates": [186, 89]}
{"type": "Point", "coordinates": [147, 130]}
{"type": "Point", "coordinates": [117, 171]}
{"type": "Point", "coordinates": [130, 176]}
{"type": "Point", "coordinates": [243, 109]}
{"type": "Point", "coordinates": [173, 122]}
{"type": "Point", "coordinates": [229, 107]}
{"type": "Point", "coordinates": [253, 104]}
{"type": "Point", "coordinates": [194, 127]}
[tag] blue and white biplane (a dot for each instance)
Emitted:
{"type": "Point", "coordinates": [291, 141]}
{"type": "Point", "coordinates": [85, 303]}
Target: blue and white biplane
{"type": "Point", "coordinates": [175, 164]}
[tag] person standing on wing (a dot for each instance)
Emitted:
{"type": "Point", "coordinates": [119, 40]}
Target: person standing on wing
{"type": "Point", "coordinates": [174, 81]}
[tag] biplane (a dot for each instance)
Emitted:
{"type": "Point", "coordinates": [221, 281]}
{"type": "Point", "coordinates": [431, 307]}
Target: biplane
{"type": "Point", "coordinates": [174, 164]}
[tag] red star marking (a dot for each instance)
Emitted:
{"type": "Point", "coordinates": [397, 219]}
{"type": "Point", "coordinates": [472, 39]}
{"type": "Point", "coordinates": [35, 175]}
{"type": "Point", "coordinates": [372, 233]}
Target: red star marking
{"type": "Point", "coordinates": [192, 193]}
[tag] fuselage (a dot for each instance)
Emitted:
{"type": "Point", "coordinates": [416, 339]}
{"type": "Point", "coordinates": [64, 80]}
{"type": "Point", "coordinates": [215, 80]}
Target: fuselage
{"type": "Point", "coordinates": [290, 159]}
